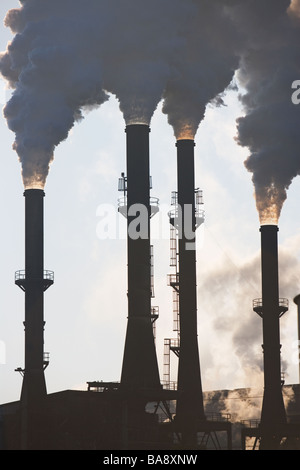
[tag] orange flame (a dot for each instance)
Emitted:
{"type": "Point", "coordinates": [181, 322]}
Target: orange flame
{"type": "Point", "coordinates": [35, 181]}
{"type": "Point", "coordinates": [186, 131]}
{"type": "Point", "coordinates": [269, 215]}
{"type": "Point", "coordinates": [269, 202]}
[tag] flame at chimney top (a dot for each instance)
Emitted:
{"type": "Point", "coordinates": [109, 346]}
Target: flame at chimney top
{"type": "Point", "coordinates": [269, 202]}
{"type": "Point", "coordinates": [185, 131]}
{"type": "Point", "coordinates": [34, 183]}
{"type": "Point", "coordinates": [35, 167]}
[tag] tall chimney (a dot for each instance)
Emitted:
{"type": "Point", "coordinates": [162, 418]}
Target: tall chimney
{"type": "Point", "coordinates": [140, 367]}
{"type": "Point", "coordinates": [190, 408]}
{"type": "Point", "coordinates": [273, 416]}
{"type": "Point", "coordinates": [297, 302]}
{"type": "Point", "coordinates": [33, 281]}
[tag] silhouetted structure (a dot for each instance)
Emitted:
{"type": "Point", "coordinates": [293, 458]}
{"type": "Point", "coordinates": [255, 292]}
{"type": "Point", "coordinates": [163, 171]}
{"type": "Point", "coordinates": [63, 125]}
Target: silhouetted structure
{"type": "Point", "coordinates": [116, 418]}
{"type": "Point", "coordinates": [273, 414]}
{"type": "Point", "coordinates": [190, 418]}
{"type": "Point", "coordinates": [113, 415]}
{"type": "Point", "coordinates": [140, 381]}
{"type": "Point", "coordinates": [189, 409]}
{"type": "Point", "coordinates": [273, 426]}
{"type": "Point", "coordinates": [140, 367]}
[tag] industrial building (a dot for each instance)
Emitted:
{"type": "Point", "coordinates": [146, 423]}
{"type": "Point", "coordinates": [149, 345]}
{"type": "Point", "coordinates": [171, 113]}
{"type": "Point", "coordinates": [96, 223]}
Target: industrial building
{"type": "Point", "coordinates": [142, 411]}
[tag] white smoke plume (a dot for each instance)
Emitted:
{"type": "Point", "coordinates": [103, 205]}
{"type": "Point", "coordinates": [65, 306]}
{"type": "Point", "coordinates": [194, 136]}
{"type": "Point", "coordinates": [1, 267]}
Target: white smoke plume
{"type": "Point", "coordinates": [270, 128]}
{"type": "Point", "coordinates": [226, 293]}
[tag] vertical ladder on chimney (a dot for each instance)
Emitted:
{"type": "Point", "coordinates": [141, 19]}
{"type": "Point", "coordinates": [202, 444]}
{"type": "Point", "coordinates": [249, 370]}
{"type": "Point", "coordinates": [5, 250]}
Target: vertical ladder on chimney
{"type": "Point", "coordinates": [173, 279]}
{"type": "Point", "coordinates": [154, 309]}
{"type": "Point", "coordinates": [152, 271]}
{"type": "Point", "coordinates": [154, 317]}
{"type": "Point", "coordinates": [173, 344]}
{"type": "Point", "coordinates": [122, 208]}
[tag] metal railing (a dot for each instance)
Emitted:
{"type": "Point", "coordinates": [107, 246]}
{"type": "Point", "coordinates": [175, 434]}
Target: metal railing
{"type": "Point", "coordinates": [46, 359]}
{"type": "Point", "coordinates": [169, 385]}
{"type": "Point", "coordinates": [153, 201]}
{"type": "Point", "coordinates": [218, 416]}
{"type": "Point", "coordinates": [173, 279]}
{"type": "Point", "coordinates": [199, 196]}
{"type": "Point", "coordinates": [153, 205]}
{"type": "Point", "coordinates": [21, 275]}
{"type": "Point", "coordinates": [251, 423]}
{"type": "Point", "coordinates": [176, 213]}
{"type": "Point", "coordinates": [258, 303]}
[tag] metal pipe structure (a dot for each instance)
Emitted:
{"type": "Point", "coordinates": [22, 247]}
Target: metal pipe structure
{"type": "Point", "coordinates": [33, 282]}
{"type": "Point", "coordinates": [140, 368]}
{"type": "Point", "coordinates": [34, 384]}
{"type": "Point", "coordinates": [190, 409]}
{"type": "Point", "coordinates": [273, 416]}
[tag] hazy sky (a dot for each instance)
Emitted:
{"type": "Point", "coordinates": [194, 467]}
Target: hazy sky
{"type": "Point", "coordinates": [86, 308]}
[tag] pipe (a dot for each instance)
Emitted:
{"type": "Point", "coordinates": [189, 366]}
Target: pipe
{"type": "Point", "coordinates": [190, 408]}
{"type": "Point", "coordinates": [273, 415]}
{"type": "Point", "coordinates": [140, 367]}
{"type": "Point", "coordinates": [34, 385]}
{"type": "Point", "coordinates": [33, 283]}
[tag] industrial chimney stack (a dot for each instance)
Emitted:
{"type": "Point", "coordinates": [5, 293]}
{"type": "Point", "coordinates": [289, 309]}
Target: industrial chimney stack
{"type": "Point", "coordinates": [140, 367]}
{"type": "Point", "coordinates": [271, 308]}
{"type": "Point", "coordinates": [190, 410]}
{"type": "Point", "coordinates": [33, 281]}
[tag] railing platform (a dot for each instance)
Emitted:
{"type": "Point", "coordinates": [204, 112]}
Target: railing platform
{"type": "Point", "coordinates": [23, 282]}
{"type": "Point", "coordinates": [283, 306]}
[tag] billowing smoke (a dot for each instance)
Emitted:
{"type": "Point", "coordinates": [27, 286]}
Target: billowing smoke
{"type": "Point", "coordinates": [231, 287]}
{"type": "Point", "coordinates": [204, 68]}
{"type": "Point", "coordinates": [269, 65]}
{"type": "Point", "coordinates": [55, 75]}
{"type": "Point", "coordinates": [142, 40]}
{"type": "Point", "coordinates": [68, 55]}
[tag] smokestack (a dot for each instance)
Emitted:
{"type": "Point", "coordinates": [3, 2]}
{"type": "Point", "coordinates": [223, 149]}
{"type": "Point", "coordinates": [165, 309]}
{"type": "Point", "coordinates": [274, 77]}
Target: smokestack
{"type": "Point", "coordinates": [273, 416]}
{"type": "Point", "coordinates": [190, 408]}
{"type": "Point", "coordinates": [140, 367]}
{"type": "Point", "coordinates": [33, 281]}
{"type": "Point", "coordinates": [297, 302]}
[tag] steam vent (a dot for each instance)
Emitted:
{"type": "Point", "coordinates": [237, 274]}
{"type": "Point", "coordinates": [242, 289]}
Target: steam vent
{"type": "Point", "coordinates": [160, 363]}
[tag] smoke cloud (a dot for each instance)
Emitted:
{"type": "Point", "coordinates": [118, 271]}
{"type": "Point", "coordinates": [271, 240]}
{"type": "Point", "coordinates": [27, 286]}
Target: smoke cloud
{"type": "Point", "coordinates": [142, 40]}
{"type": "Point", "coordinates": [204, 68]}
{"type": "Point", "coordinates": [270, 127]}
{"type": "Point", "coordinates": [55, 75]}
{"type": "Point", "coordinates": [68, 55]}
{"type": "Point", "coordinates": [231, 287]}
